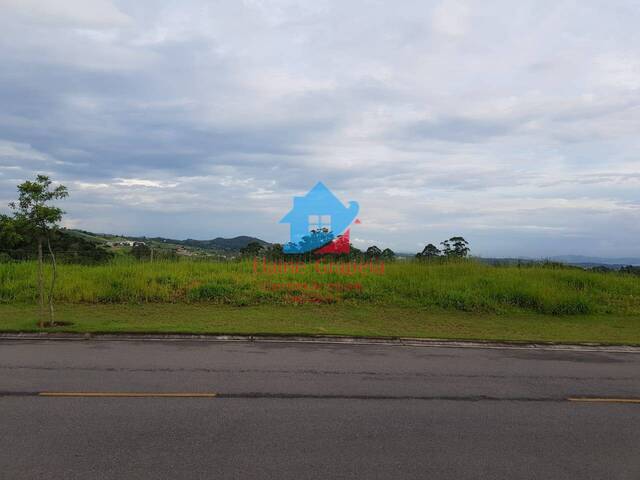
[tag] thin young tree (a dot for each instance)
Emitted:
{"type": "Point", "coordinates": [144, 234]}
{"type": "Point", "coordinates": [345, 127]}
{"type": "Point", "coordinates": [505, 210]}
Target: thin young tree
{"type": "Point", "coordinates": [35, 211]}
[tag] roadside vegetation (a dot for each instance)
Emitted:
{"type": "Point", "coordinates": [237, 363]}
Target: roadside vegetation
{"type": "Point", "coordinates": [457, 285]}
{"type": "Point", "coordinates": [340, 319]}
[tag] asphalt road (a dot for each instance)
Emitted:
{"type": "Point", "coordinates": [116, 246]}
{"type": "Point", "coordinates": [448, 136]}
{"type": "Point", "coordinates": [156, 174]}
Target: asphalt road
{"type": "Point", "coordinates": [300, 411]}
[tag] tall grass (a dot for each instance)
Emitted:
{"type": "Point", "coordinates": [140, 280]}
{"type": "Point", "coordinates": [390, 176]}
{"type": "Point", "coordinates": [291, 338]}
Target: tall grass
{"type": "Point", "coordinates": [463, 285]}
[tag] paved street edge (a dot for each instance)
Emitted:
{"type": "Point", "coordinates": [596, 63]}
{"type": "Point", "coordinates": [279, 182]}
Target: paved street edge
{"type": "Point", "coordinates": [320, 339]}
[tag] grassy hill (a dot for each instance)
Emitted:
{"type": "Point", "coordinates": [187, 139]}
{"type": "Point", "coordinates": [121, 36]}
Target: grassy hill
{"type": "Point", "coordinates": [216, 247]}
{"type": "Point", "coordinates": [229, 244]}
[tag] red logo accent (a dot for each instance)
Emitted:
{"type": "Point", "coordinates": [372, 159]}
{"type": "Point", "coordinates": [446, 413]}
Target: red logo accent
{"type": "Point", "coordinates": [339, 245]}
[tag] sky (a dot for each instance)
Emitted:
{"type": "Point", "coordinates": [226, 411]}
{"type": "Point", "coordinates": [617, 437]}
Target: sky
{"type": "Point", "coordinates": [513, 124]}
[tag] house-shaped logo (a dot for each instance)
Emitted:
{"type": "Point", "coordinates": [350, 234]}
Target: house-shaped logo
{"type": "Point", "coordinates": [319, 222]}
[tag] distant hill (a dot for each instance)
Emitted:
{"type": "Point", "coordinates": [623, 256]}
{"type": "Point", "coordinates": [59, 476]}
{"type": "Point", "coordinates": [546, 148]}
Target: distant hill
{"type": "Point", "coordinates": [235, 243]}
{"type": "Point", "coordinates": [93, 237]}
{"type": "Point", "coordinates": [218, 244]}
{"type": "Point", "coordinates": [573, 260]}
{"type": "Point", "coordinates": [507, 261]}
{"type": "Point", "coordinates": [584, 260]}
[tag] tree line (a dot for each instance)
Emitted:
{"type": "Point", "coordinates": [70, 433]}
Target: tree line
{"type": "Point", "coordinates": [276, 252]}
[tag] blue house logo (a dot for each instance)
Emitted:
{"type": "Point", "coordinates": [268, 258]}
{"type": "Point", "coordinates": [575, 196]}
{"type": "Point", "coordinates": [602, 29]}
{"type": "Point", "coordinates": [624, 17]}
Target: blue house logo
{"type": "Point", "coordinates": [319, 221]}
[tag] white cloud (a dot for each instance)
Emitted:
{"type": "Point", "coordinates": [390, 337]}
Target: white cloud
{"type": "Point", "coordinates": [79, 13]}
{"type": "Point", "coordinates": [22, 153]}
{"type": "Point", "coordinates": [91, 186]}
{"type": "Point", "coordinates": [451, 17]}
{"type": "Point", "coordinates": [619, 69]}
{"type": "Point", "coordinates": [139, 182]}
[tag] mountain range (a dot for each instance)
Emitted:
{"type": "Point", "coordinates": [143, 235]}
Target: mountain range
{"type": "Point", "coordinates": [218, 244]}
{"type": "Point", "coordinates": [583, 260]}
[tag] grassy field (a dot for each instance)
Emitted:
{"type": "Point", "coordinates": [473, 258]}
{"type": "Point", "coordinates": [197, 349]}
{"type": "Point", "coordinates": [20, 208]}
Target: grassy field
{"type": "Point", "coordinates": [463, 299]}
{"type": "Point", "coordinates": [329, 320]}
{"type": "Point", "coordinates": [463, 286]}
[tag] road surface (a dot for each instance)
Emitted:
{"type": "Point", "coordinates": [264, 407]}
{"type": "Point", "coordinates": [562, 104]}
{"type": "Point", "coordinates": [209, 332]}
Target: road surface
{"type": "Point", "coordinates": [307, 411]}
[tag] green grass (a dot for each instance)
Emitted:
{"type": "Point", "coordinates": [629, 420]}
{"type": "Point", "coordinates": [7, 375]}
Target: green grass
{"type": "Point", "coordinates": [457, 286]}
{"type": "Point", "coordinates": [463, 299]}
{"type": "Point", "coordinates": [327, 320]}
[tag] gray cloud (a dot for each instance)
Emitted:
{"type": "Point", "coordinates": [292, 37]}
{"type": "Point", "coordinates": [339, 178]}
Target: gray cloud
{"type": "Point", "coordinates": [196, 119]}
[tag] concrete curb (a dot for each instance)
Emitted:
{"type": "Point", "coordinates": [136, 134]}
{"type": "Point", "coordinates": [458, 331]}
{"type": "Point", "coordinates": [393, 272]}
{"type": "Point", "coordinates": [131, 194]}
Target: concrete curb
{"type": "Point", "coordinates": [319, 339]}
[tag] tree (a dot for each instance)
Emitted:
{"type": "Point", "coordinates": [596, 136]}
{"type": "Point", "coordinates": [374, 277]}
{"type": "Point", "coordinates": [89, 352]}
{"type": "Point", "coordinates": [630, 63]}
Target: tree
{"type": "Point", "coordinates": [388, 254]}
{"type": "Point", "coordinates": [141, 251]}
{"type": "Point", "coordinates": [455, 247]}
{"type": "Point", "coordinates": [459, 247]}
{"type": "Point", "coordinates": [10, 232]}
{"type": "Point", "coordinates": [18, 242]}
{"type": "Point", "coordinates": [40, 219]}
{"type": "Point", "coordinates": [630, 269]}
{"type": "Point", "coordinates": [446, 248]}
{"type": "Point", "coordinates": [373, 252]}
{"type": "Point", "coordinates": [275, 252]}
{"type": "Point", "coordinates": [428, 252]}
{"type": "Point", "coordinates": [252, 249]}
{"type": "Point", "coordinates": [354, 253]}
{"type": "Point", "coordinates": [10, 236]}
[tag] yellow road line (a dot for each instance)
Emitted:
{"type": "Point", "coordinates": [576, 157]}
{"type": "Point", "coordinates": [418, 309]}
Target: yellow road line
{"type": "Point", "coordinates": [127, 394]}
{"type": "Point", "coordinates": [604, 400]}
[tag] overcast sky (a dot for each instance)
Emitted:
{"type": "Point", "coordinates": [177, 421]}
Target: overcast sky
{"type": "Point", "coordinates": [513, 123]}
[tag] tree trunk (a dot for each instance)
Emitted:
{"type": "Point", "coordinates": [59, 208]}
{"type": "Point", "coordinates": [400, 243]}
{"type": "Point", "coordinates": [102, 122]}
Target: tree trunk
{"type": "Point", "coordinates": [53, 282]}
{"type": "Point", "coordinates": [40, 284]}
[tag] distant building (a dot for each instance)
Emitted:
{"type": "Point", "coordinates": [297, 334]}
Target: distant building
{"type": "Point", "coordinates": [125, 243]}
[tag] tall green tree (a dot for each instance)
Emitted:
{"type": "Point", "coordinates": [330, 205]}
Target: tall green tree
{"type": "Point", "coordinates": [373, 252]}
{"type": "Point", "coordinates": [252, 249]}
{"type": "Point", "coordinates": [40, 219]}
{"type": "Point", "coordinates": [428, 252]}
{"type": "Point", "coordinates": [446, 248]}
{"type": "Point", "coordinates": [10, 232]}
{"type": "Point", "coordinates": [275, 252]}
{"type": "Point", "coordinates": [354, 253]}
{"type": "Point", "coordinates": [388, 254]}
{"type": "Point", "coordinates": [459, 247]}
{"type": "Point", "coordinates": [455, 247]}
